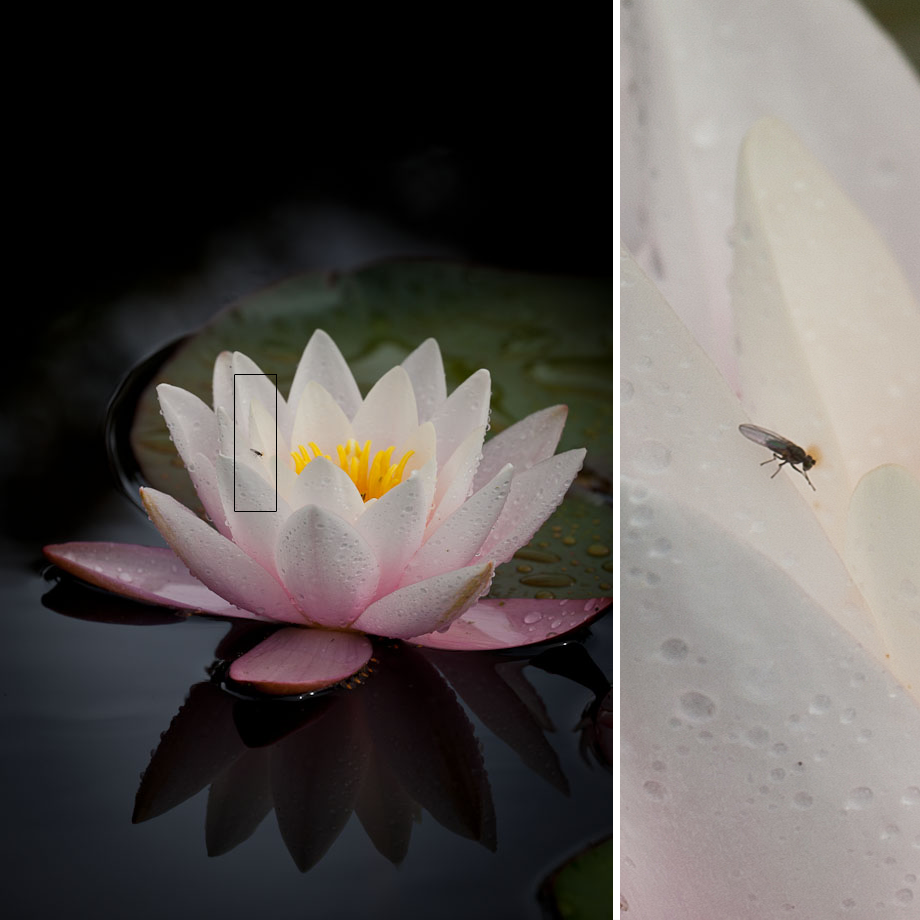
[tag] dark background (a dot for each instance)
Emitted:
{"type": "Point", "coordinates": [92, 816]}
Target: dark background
{"type": "Point", "coordinates": [163, 174]}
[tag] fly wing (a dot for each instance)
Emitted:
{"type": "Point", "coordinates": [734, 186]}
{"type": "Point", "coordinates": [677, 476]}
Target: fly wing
{"type": "Point", "coordinates": [764, 437]}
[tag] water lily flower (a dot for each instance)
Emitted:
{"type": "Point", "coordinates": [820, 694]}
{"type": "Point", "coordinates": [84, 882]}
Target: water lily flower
{"type": "Point", "coordinates": [340, 516]}
{"type": "Point", "coordinates": [771, 634]}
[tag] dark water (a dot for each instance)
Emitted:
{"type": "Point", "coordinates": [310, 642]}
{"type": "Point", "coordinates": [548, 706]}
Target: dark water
{"type": "Point", "coordinates": [441, 765]}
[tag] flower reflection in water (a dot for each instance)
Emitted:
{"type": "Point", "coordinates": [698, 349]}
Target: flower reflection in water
{"type": "Point", "coordinates": [394, 745]}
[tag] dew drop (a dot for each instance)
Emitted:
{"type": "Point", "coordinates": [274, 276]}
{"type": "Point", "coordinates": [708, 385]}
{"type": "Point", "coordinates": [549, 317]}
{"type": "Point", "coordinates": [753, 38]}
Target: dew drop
{"type": "Point", "coordinates": [548, 580]}
{"type": "Point", "coordinates": [802, 800]}
{"type": "Point", "coordinates": [911, 796]}
{"type": "Point", "coordinates": [532, 618]}
{"type": "Point", "coordinates": [904, 896]}
{"type": "Point", "coordinates": [674, 649]}
{"type": "Point", "coordinates": [598, 549]}
{"type": "Point", "coordinates": [627, 390]}
{"type": "Point", "coordinates": [653, 457]}
{"type": "Point", "coordinates": [697, 706]}
{"type": "Point", "coordinates": [820, 705]}
{"type": "Point", "coordinates": [655, 790]}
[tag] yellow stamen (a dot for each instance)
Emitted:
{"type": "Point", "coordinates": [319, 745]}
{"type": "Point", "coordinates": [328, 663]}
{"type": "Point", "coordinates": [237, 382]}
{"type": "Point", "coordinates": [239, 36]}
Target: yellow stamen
{"type": "Point", "coordinates": [372, 477]}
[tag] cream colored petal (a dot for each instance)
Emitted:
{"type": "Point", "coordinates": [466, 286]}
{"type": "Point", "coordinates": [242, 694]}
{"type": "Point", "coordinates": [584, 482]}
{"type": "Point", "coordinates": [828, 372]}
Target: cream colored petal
{"type": "Point", "coordinates": [883, 553]}
{"type": "Point", "coordinates": [426, 371]}
{"type": "Point", "coordinates": [388, 414]}
{"type": "Point", "coordinates": [323, 363]}
{"type": "Point", "coordinates": [320, 419]}
{"type": "Point", "coordinates": [829, 333]}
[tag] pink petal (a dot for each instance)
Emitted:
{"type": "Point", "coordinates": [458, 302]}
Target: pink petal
{"type": "Point", "coordinates": [300, 660]}
{"type": "Point", "coordinates": [455, 542]}
{"type": "Point", "coordinates": [323, 362]}
{"type": "Point", "coordinates": [513, 622]}
{"type": "Point", "coordinates": [524, 443]}
{"type": "Point", "coordinates": [427, 605]}
{"type": "Point", "coordinates": [388, 414]}
{"type": "Point", "coordinates": [217, 561]}
{"type": "Point", "coordinates": [426, 371]}
{"type": "Point", "coordinates": [465, 409]}
{"type": "Point", "coordinates": [326, 565]}
{"type": "Point", "coordinates": [394, 526]}
{"type": "Point", "coordinates": [534, 496]}
{"type": "Point", "coordinates": [150, 574]}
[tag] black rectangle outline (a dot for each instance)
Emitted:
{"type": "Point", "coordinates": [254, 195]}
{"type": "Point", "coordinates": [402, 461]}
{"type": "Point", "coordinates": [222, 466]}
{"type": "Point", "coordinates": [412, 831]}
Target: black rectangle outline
{"type": "Point", "coordinates": [255, 510]}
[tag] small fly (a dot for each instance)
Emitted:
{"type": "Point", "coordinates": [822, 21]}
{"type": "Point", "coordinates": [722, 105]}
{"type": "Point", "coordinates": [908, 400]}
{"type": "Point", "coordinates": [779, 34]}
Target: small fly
{"type": "Point", "coordinates": [783, 450]}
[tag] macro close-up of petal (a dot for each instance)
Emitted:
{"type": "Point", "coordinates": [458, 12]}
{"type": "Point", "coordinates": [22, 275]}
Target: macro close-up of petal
{"type": "Point", "coordinates": [770, 683]}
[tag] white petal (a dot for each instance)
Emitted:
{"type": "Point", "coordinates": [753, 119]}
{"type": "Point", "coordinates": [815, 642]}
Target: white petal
{"type": "Point", "coordinates": [193, 429]}
{"type": "Point", "coordinates": [320, 419]}
{"type": "Point", "coordinates": [323, 362]}
{"type": "Point", "coordinates": [254, 510]}
{"type": "Point", "coordinates": [395, 524]}
{"type": "Point", "coordinates": [534, 496]}
{"type": "Point", "coordinates": [326, 565]}
{"type": "Point", "coordinates": [524, 443]}
{"type": "Point", "coordinates": [216, 561]}
{"type": "Point", "coordinates": [388, 414]}
{"type": "Point", "coordinates": [767, 719]}
{"type": "Point", "coordinates": [455, 479]}
{"type": "Point", "coordinates": [328, 486]}
{"type": "Point", "coordinates": [466, 408]}
{"type": "Point", "coordinates": [455, 542]}
{"type": "Point", "coordinates": [426, 371]}
{"type": "Point", "coordinates": [427, 605]}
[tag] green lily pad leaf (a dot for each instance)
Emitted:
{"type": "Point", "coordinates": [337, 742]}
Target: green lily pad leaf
{"type": "Point", "coordinates": [545, 340]}
{"type": "Point", "coordinates": [569, 556]}
{"type": "Point", "coordinates": [582, 889]}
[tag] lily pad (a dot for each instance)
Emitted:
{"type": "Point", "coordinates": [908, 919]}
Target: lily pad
{"type": "Point", "coordinates": [582, 889]}
{"type": "Point", "coordinates": [545, 340]}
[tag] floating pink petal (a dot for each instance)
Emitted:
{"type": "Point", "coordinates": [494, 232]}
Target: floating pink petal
{"type": "Point", "coordinates": [295, 660]}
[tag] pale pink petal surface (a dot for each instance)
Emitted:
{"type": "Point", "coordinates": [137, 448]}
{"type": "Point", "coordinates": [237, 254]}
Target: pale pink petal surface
{"type": "Point", "coordinates": [455, 542]}
{"type": "Point", "coordinates": [523, 444]}
{"type": "Point", "coordinates": [217, 561]}
{"type": "Point", "coordinates": [493, 623]}
{"type": "Point", "coordinates": [150, 574]}
{"type": "Point", "coordinates": [328, 568]}
{"type": "Point", "coordinates": [427, 605]}
{"type": "Point", "coordinates": [534, 495]}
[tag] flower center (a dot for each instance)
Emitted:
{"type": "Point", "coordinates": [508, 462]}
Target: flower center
{"type": "Point", "coordinates": [373, 477]}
